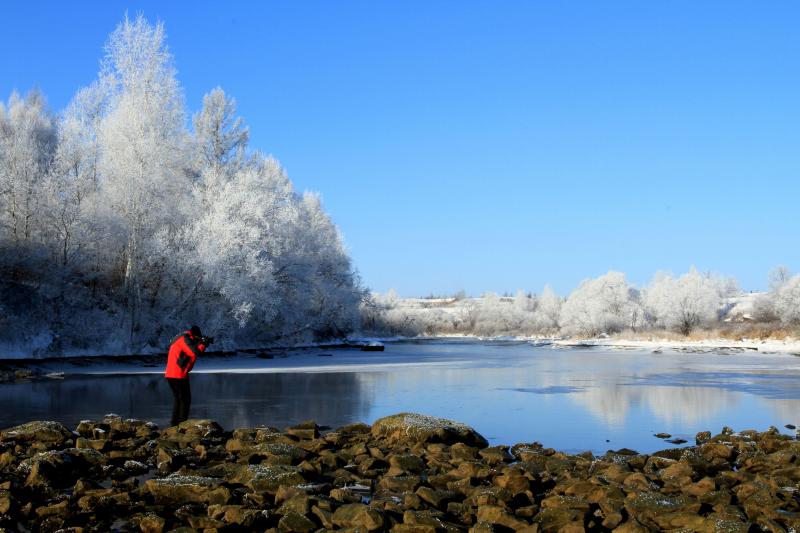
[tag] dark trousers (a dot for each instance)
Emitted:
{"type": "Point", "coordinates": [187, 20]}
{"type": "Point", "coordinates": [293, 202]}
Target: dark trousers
{"type": "Point", "coordinates": [182, 399]}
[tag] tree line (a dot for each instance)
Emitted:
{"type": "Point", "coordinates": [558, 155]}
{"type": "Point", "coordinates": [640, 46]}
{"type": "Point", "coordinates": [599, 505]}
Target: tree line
{"type": "Point", "coordinates": [608, 304]}
{"type": "Point", "coordinates": [123, 220]}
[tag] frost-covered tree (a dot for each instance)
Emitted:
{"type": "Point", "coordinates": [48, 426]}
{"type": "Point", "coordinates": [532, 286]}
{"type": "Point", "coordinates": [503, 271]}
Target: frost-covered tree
{"type": "Point", "coordinates": [331, 287]}
{"type": "Point", "coordinates": [548, 311]}
{"type": "Point", "coordinates": [690, 301]}
{"type": "Point", "coordinates": [27, 148]}
{"type": "Point", "coordinates": [119, 225]}
{"type": "Point", "coordinates": [220, 137]}
{"type": "Point", "coordinates": [142, 142]}
{"type": "Point", "coordinates": [778, 276]}
{"type": "Point", "coordinates": [603, 305]}
{"type": "Point", "coordinates": [786, 301]}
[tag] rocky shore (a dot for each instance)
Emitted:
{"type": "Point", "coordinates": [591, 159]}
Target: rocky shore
{"type": "Point", "coordinates": [406, 473]}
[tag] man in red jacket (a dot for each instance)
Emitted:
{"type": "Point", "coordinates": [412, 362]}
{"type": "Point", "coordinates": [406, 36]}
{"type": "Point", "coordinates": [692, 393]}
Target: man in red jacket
{"type": "Point", "coordinates": [183, 352]}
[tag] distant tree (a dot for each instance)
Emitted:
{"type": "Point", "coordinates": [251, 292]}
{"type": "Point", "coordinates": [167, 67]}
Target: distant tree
{"type": "Point", "coordinates": [548, 310]}
{"type": "Point", "coordinates": [778, 276]}
{"type": "Point", "coordinates": [693, 300]}
{"type": "Point", "coordinates": [603, 305]}
{"type": "Point", "coordinates": [786, 301]}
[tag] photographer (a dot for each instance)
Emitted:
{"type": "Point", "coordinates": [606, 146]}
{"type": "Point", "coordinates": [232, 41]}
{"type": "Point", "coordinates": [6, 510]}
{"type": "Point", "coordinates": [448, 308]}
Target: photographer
{"type": "Point", "coordinates": [183, 352]}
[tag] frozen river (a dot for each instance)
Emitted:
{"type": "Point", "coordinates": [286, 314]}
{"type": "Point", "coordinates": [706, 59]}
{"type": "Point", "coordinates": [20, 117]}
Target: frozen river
{"type": "Point", "coordinates": [572, 399]}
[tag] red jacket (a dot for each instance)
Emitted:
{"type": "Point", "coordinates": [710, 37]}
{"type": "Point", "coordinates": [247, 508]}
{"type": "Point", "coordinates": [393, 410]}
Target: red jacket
{"type": "Point", "coordinates": [182, 355]}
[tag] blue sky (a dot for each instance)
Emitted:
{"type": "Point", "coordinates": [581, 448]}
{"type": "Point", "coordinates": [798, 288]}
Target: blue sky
{"type": "Point", "coordinates": [492, 146]}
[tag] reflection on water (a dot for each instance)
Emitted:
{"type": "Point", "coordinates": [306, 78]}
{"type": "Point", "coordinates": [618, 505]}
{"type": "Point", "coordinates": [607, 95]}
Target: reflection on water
{"type": "Point", "coordinates": [569, 399]}
{"type": "Point", "coordinates": [235, 400]}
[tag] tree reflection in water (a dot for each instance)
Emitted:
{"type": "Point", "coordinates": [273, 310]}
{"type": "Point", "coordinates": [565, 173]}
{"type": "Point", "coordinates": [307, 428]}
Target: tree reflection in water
{"type": "Point", "coordinates": [233, 400]}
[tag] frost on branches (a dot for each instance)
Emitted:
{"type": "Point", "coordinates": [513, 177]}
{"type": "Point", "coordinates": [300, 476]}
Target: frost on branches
{"type": "Point", "coordinates": [604, 305]}
{"type": "Point", "coordinates": [120, 225]}
{"type": "Point", "coordinates": [686, 303]}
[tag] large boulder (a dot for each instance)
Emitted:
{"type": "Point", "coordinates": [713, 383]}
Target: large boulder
{"type": "Point", "coordinates": [60, 468]}
{"type": "Point", "coordinates": [46, 432]}
{"type": "Point", "coordinates": [412, 428]}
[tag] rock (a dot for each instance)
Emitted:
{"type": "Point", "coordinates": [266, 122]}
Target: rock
{"type": "Point", "coordinates": [51, 434]}
{"type": "Point", "coordinates": [298, 504]}
{"type": "Point", "coordinates": [325, 517]}
{"type": "Point", "coordinates": [678, 473]}
{"type": "Point", "coordinates": [662, 435]}
{"type": "Point", "coordinates": [180, 489]}
{"type": "Point", "coordinates": [60, 468]}
{"type": "Point", "coordinates": [702, 488]}
{"type": "Point", "coordinates": [702, 437]}
{"type": "Point", "coordinates": [293, 521]}
{"type": "Point", "coordinates": [715, 523]}
{"type": "Point", "coordinates": [636, 481]}
{"type": "Point", "coordinates": [235, 514]}
{"type": "Point", "coordinates": [305, 430]}
{"type": "Point", "coordinates": [275, 453]}
{"type": "Point", "coordinates": [194, 429]}
{"type": "Point", "coordinates": [345, 496]}
{"type": "Point", "coordinates": [405, 464]}
{"type": "Point", "coordinates": [6, 502]}
{"type": "Point", "coordinates": [632, 526]}
{"type": "Point", "coordinates": [399, 484]}
{"type": "Point", "coordinates": [513, 482]}
{"type": "Point", "coordinates": [59, 509]}
{"type": "Point", "coordinates": [152, 523]}
{"type": "Point", "coordinates": [565, 502]}
{"type": "Point", "coordinates": [358, 514]}
{"type": "Point", "coordinates": [472, 469]}
{"type": "Point", "coordinates": [267, 478]}
{"type": "Point", "coordinates": [496, 455]}
{"type": "Point", "coordinates": [711, 450]}
{"type": "Point", "coordinates": [402, 475]}
{"type": "Point", "coordinates": [135, 468]}
{"type": "Point", "coordinates": [413, 428]}
{"type": "Point", "coordinates": [660, 511]}
{"type": "Point", "coordinates": [205, 523]}
{"type": "Point", "coordinates": [556, 519]}
{"type": "Point", "coordinates": [427, 519]}
{"type": "Point", "coordinates": [437, 498]}
{"type": "Point", "coordinates": [413, 528]}
{"type": "Point", "coordinates": [495, 514]}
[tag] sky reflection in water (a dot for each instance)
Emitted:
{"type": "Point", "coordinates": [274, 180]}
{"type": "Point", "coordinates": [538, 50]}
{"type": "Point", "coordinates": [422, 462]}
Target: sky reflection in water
{"type": "Point", "coordinates": [569, 399]}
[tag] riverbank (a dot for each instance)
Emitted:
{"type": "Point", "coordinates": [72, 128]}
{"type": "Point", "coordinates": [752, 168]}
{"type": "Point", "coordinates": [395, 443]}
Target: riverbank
{"type": "Point", "coordinates": [652, 342]}
{"type": "Point", "coordinates": [706, 345]}
{"type": "Point", "coordinates": [405, 473]}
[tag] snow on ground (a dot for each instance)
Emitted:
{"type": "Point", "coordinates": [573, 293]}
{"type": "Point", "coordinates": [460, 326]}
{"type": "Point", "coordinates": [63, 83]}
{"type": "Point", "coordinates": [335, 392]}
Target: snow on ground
{"type": "Point", "coordinates": [788, 346]}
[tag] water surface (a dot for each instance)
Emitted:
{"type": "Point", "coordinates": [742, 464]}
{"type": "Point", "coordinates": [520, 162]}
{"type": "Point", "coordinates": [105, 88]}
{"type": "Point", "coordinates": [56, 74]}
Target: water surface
{"type": "Point", "coordinates": [572, 399]}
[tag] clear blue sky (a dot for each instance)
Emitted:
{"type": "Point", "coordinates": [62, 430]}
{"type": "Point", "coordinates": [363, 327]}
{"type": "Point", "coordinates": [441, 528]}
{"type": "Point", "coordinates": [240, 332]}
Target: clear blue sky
{"type": "Point", "coordinates": [492, 146]}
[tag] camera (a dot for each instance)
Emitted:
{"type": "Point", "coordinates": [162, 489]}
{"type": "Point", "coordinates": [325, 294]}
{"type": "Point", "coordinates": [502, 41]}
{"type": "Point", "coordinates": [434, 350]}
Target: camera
{"type": "Point", "coordinates": [207, 340]}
